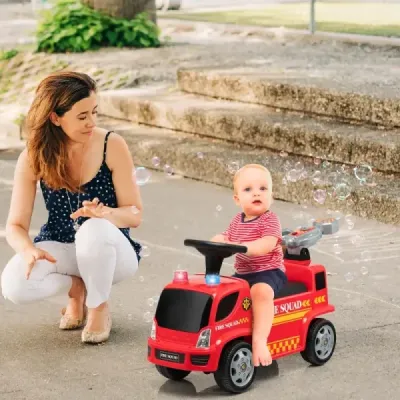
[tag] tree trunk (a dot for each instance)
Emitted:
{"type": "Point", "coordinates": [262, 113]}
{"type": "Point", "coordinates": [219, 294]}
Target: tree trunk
{"type": "Point", "coordinates": [126, 9]}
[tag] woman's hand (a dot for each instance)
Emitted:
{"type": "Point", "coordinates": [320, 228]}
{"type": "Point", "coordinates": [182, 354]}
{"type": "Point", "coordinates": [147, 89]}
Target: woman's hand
{"type": "Point", "coordinates": [34, 254]}
{"type": "Point", "coordinates": [91, 209]}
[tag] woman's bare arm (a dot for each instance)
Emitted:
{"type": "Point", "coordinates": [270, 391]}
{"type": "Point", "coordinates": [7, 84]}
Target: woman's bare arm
{"type": "Point", "coordinates": [21, 206]}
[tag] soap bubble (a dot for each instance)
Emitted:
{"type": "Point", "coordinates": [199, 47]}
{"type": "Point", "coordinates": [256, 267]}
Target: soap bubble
{"type": "Point", "coordinates": [349, 276]}
{"type": "Point", "coordinates": [293, 175]}
{"type": "Point", "coordinates": [135, 210]}
{"type": "Point", "coordinates": [155, 161]}
{"type": "Point", "coordinates": [299, 166]}
{"type": "Point", "coordinates": [316, 178]}
{"type": "Point", "coordinates": [168, 170]}
{"type": "Point", "coordinates": [218, 208]}
{"type": "Point", "coordinates": [200, 155]}
{"type": "Point", "coordinates": [145, 252]}
{"type": "Point", "coordinates": [342, 191]}
{"type": "Point", "coordinates": [141, 278]}
{"type": "Point", "coordinates": [336, 248]}
{"type": "Point", "coordinates": [364, 270]}
{"type": "Point", "coordinates": [320, 196]}
{"type": "Point", "coordinates": [233, 167]}
{"type": "Point", "coordinates": [283, 154]}
{"type": "Point", "coordinates": [317, 161]}
{"type": "Point", "coordinates": [366, 255]}
{"type": "Point", "coordinates": [150, 302]}
{"type": "Point", "coordinates": [363, 172]}
{"type": "Point", "coordinates": [148, 317]}
{"type": "Point", "coordinates": [142, 175]}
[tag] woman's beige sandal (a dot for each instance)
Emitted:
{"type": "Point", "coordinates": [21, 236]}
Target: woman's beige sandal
{"type": "Point", "coordinates": [97, 337]}
{"type": "Point", "coordinates": [68, 322]}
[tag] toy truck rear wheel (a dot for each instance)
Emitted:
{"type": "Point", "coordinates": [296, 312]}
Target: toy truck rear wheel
{"type": "Point", "coordinates": [321, 342]}
{"type": "Point", "coordinates": [236, 372]}
{"type": "Point", "coordinates": [172, 373]}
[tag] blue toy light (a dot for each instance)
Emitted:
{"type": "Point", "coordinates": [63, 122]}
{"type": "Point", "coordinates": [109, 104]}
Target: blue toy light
{"type": "Point", "coordinates": [213, 279]}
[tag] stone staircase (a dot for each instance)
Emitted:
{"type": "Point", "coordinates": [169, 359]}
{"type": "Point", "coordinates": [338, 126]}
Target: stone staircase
{"type": "Point", "coordinates": [319, 143]}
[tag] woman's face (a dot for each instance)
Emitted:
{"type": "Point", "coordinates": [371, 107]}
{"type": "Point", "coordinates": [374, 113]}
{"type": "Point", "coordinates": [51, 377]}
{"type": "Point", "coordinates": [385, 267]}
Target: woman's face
{"type": "Point", "coordinates": [79, 122]}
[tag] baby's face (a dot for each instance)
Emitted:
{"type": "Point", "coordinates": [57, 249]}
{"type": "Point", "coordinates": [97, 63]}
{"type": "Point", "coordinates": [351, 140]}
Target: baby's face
{"type": "Point", "coordinates": [253, 191]}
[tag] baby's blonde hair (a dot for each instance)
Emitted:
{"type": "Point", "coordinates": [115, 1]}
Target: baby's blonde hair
{"type": "Point", "coordinates": [248, 166]}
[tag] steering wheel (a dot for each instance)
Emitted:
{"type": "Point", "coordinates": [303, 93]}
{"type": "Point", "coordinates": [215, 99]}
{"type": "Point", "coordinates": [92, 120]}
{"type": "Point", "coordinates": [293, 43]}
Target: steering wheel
{"type": "Point", "coordinates": [214, 252]}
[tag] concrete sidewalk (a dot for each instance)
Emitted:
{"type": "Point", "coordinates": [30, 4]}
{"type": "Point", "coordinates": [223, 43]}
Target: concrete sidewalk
{"type": "Point", "coordinates": [38, 362]}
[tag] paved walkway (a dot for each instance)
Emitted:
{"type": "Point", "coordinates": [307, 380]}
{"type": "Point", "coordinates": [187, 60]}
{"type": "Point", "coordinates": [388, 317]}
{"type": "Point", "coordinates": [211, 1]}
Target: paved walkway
{"type": "Point", "coordinates": [39, 362]}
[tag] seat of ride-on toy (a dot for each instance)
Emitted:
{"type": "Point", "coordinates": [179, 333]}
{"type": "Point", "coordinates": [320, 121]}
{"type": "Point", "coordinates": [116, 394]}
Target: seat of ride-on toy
{"type": "Point", "coordinates": [291, 288]}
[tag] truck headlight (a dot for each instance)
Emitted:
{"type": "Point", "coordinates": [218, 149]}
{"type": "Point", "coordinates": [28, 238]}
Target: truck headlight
{"type": "Point", "coordinates": [204, 339]}
{"type": "Point", "coordinates": [153, 330]}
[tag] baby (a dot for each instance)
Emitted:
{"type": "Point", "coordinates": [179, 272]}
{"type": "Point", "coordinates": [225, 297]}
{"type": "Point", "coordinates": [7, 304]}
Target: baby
{"type": "Point", "coordinates": [259, 229]}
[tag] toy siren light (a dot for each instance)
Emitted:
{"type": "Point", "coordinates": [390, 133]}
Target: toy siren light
{"type": "Point", "coordinates": [181, 276]}
{"type": "Point", "coordinates": [214, 253]}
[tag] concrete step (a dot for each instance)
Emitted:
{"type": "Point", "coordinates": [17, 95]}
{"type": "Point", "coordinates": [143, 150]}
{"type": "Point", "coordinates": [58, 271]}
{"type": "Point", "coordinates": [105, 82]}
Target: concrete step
{"type": "Point", "coordinates": [213, 160]}
{"type": "Point", "coordinates": [295, 90]}
{"type": "Point", "coordinates": [259, 126]}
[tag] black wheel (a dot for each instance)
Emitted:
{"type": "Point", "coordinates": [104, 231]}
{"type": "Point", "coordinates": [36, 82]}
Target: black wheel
{"type": "Point", "coordinates": [236, 371]}
{"type": "Point", "coordinates": [172, 373]}
{"type": "Point", "coordinates": [321, 342]}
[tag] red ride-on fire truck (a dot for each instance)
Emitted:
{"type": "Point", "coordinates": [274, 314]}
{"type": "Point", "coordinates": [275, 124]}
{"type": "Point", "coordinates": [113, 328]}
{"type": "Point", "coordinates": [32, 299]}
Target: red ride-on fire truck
{"type": "Point", "coordinates": [203, 322]}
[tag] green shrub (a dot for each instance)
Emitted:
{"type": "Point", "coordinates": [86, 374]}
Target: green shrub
{"type": "Point", "coordinates": [71, 26]}
{"type": "Point", "coordinates": [8, 54]}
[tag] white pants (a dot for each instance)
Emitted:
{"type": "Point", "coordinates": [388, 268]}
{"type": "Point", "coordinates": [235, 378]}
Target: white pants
{"type": "Point", "coordinates": [101, 256]}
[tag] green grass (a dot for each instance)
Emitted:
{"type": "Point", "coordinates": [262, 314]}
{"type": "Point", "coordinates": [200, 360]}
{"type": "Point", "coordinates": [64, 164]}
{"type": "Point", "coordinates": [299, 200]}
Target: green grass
{"type": "Point", "coordinates": [368, 19]}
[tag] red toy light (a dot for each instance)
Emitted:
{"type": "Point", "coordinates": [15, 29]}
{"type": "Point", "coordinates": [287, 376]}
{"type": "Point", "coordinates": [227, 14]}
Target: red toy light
{"type": "Point", "coordinates": [181, 275]}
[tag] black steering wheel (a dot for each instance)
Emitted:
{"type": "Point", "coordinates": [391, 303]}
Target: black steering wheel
{"type": "Point", "coordinates": [214, 252]}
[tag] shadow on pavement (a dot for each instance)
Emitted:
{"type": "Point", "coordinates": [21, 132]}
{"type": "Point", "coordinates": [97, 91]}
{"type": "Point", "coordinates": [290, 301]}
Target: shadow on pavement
{"type": "Point", "coordinates": [186, 388]}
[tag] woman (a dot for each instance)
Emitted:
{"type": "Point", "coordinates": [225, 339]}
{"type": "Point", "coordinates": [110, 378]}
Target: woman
{"type": "Point", "coordinates": [92, 198]}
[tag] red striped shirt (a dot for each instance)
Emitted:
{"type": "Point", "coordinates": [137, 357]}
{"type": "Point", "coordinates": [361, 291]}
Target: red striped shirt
{"type": "Point", "coordinates": [266, 224]}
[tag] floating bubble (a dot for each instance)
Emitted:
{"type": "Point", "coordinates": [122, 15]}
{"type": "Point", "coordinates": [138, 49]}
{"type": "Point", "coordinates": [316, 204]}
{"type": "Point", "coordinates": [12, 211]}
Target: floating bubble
{"type": "Point", "coordinates": [148, 317]}
{"type": "Point", "coordinates": [326, 164]}
{"type": "Point", "coordinates": [317, 161]}
{"type": "Point", "coordinates": [145, 252]}
{"type": "Point", "coordinates": [299, 166]}
{"type": "Point", "coordinates": [316, 178]}
{"type": "Point", "coordinates": [156, 298]}
{"type": "Point", "coordinates": [319, 196]}
{"type": "Point", "coordinates": [348, 276]}
{"type": "Point", "coordinates": [363, 172]}
{"type": "Point", "coordinates": [135, 210]}
{"type": "Point", "coordinates": [233, 167]}
{"type": "Point", "coordinates": [366, 255]}
{"type": "Point", "coordinates": [364, 270]}
{"type": "Point", "coordinates": [218, 208]}
{"type": "Point", "coordinates": [337, 248]}
{"type": "Point", "coordinates": [156, 161]}
{"type": "Point", "coordinates": [141, 278]}
{"type": "Point", "coordinates": [168, 170]}
{"type": "Point", "coordinates": [200, 155]}
{"type": "Point", "coordinates": [150, 302]}
{"type": "Point", "coordinates": [283, 154]}
{"type": "Point", "coordinates": [350, 226]}
{"type": "Point", "coordinates": [293, 175]}
{"type": "Point", "coordinates": [342, 191]}
{"type": "Point", "coordinates": [143, 175]}
{"type": "Point", "coordinates": [357, 240]}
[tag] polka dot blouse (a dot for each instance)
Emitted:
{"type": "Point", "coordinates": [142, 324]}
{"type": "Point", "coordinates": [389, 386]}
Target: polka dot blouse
{"type": "Point", "coordinates": [60, 226]}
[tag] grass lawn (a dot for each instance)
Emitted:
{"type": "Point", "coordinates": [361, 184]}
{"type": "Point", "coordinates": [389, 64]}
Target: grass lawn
{"type": "Point", "coordinates": [369, 18]}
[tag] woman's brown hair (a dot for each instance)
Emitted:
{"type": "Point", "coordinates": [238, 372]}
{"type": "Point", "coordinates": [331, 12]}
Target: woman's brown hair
{"type": "Point", "coordinates": [47, 143]}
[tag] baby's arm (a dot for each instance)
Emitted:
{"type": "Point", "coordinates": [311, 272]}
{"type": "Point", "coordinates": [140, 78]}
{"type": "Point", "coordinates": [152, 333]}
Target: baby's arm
{"type": "Point", "coordinates": [262, 246]}
{"type": "Point", "coordinates": [220, 238]}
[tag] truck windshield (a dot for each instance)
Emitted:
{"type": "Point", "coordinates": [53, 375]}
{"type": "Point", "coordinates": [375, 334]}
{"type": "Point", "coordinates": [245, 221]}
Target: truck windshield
{"type": "Point", "coordinates": [183, 310]}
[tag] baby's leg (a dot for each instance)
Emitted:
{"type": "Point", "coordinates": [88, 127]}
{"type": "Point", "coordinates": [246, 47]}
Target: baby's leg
{"type": "Point", "coordinates": [45, 279]}
{"type": "Point", "coordinates": [262, 296]}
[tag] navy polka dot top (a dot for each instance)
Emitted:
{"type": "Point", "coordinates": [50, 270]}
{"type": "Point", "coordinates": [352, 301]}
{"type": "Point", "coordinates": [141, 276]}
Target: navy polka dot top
{"type": "Point", "coordinates": [60, 226]}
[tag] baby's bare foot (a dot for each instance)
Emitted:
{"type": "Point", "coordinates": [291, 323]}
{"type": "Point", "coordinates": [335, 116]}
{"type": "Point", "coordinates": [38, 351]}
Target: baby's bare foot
{"type": "Point", "coordinates": [261, 354]}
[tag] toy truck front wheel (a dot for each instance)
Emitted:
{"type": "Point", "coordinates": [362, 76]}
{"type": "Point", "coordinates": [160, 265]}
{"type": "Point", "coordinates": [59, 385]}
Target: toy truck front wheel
{"type": "Point", "coordinates": [236, 372]}
{"type": "Point", "coordinates": [321, 342]}
{"type": "Point", "coordinates": [172, 373]}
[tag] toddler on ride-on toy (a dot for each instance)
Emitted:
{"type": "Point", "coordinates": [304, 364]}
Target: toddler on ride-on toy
{"type": "Point", "coordinates": [259, 229]}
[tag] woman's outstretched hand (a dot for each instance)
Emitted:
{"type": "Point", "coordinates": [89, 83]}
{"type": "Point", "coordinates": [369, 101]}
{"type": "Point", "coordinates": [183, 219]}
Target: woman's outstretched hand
{"type": "Point", "coordinates": [91, 209]}
{"type": "Point", "coordinates": [33, 255]}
